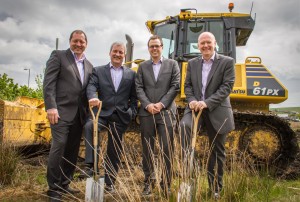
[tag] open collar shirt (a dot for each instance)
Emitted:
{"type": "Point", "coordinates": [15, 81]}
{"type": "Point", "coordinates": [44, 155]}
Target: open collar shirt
{"type": "Point", "coordinates": [80, 65]}
{"type": "Point", "coordinates": [206, 67]}
{"type": "Point", "coordinates": [156, 68]}
{"type": "Point", "coordinates": [116, 75]}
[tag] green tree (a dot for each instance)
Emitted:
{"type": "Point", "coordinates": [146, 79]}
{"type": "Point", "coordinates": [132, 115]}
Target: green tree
{"type": "Point", "coordinates": [39, 81]}
{"type": "Point", "coordinates": [10, 91]}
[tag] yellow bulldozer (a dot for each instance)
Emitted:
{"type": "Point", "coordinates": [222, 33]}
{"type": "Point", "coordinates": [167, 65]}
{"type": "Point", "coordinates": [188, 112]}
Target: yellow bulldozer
{"type": "Point", "coordinates": [23, 123]}
{"type": "Point", "coordinates": [259, 133]}
{"type": "Point", "coordinates": [262, 135]}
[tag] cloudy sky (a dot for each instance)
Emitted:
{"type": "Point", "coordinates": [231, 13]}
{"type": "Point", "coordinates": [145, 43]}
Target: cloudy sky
{"type": "Point", "coordinates": [28, 29]}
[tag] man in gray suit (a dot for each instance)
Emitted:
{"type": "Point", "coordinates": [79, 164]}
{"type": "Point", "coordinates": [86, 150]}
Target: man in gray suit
{"type": "Point", "coordinates": [157, 84]}
{"type": "Point", "coordinates": [209, 81]}
{"type": "Point", "coordinates": [114, 85]}
{"type": "Point", "coordinates": [66, 77]}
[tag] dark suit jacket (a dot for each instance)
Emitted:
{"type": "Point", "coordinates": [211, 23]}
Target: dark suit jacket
{"type": "Point", "coordinates": [124, 101]}
{"type": "Point", "coordinates": [163, 90]}
{"type": "Point", "coordinates": [219, 85]}
{"type": "Point", "coordinates": [63, 89]}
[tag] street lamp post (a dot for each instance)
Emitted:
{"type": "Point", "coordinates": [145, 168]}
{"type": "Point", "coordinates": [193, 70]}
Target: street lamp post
{"type": "Point", "coordinates": [28, 76]}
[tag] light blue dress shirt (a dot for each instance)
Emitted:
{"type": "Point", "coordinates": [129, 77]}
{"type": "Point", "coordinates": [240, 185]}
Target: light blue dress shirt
{"type": "Point", "coordinates": [206, 67]}
{"type": "Point", "coordinates": [116, 76]}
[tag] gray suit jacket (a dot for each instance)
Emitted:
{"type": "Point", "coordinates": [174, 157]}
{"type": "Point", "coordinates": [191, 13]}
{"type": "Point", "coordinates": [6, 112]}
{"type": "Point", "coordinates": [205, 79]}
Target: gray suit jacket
{"type": "Point", "coordinates": [63, 89]}
{"type": "Point", "coordinates": [124, 101]}
{"type": "Point", "coordinates": [219, 85]}
{"type": "Point", "coordinates": [163, 90]}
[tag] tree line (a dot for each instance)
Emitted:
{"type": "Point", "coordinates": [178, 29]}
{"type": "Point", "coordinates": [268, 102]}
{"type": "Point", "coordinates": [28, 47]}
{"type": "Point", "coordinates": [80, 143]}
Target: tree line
{"type": "Point", "coordinates": [10, 90]}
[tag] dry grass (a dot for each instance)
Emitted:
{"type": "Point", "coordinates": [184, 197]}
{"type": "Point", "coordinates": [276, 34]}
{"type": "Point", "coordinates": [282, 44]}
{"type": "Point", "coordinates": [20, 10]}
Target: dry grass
{"type": "Point", "coordinates": [242, 181]}
{"type": "Point", "coordinates": [9, 159]}
{"type": "Point", "coordinates": [295, 125]}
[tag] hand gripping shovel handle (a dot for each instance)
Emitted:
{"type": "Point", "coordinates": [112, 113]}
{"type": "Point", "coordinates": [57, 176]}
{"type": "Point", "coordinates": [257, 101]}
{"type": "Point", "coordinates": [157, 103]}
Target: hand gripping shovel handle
{"type": "Point", "coordinates": [95, 135]}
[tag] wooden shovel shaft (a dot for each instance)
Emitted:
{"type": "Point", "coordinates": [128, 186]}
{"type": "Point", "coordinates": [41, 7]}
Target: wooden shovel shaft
{"type": "Point", "coordinates": [195, 121]}
{"type": "Point", "coordinates": [95, 135]}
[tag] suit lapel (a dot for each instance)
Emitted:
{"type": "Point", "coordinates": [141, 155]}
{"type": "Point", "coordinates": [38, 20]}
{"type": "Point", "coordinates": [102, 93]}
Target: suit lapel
{"type": "Point", "coordinates": [150, 70]}
{"type": "Point", "coordinates": [86, 73]}
{"type": "Point", "coordinates": [161, 70]}
{"type": "Point", "coordinates": [213, 69]}
{"type": "Point", "coordinates": [199, 74]}
{"type": "Point", "coordinates": [108, 75]}
{"type": "Point", "coordinates": [124, 76]}
{"type": "Point", "coordinates": [73, 63]}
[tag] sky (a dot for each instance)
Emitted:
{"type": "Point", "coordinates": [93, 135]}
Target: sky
{"type": "Point", "coordinates": [29, 28]}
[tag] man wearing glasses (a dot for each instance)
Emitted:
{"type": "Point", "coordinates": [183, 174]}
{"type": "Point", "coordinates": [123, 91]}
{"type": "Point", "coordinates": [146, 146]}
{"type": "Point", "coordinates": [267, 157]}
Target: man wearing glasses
{"type": "Point", "coordinates": [157, 84]}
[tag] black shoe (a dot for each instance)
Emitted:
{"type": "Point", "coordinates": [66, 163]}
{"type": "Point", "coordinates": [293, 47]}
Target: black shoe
{"type": "Point", "coordinates": [56, 199]}
{"type": "Point", "coordinates": [146, 190]}
{"type": "Point", "coordinates": [69, 190]}
{"type": "Point", "coordinates": [88, 172]}
{"type": "Point", "coordinates": [54, 196]}
{"type": "Point", "coordinates": [110, 189]}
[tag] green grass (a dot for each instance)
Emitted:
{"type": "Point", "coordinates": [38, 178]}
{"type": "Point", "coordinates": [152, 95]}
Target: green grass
{"type": "Point", "coordinates": [286, 109]}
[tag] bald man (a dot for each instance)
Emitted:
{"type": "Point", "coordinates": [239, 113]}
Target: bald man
{"type": "Point", "coordinates": [209, 81]}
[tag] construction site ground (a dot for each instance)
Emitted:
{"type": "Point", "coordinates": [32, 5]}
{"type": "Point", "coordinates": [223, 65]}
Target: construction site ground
{"type": "Point", "coordinates": [31, 185]}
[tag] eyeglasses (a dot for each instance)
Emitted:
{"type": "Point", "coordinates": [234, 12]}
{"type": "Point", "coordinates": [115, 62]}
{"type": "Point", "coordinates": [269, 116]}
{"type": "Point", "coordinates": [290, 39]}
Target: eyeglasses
{"type": "Point", "coordinates": [155, 46]}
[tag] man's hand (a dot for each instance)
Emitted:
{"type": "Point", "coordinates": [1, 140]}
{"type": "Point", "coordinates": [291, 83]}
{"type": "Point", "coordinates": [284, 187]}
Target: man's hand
{"type": "Point", "coordinates": [158, 106]}
{"type": "Point", "coordinates": [192, 104]}
{"type": "Point", "coordinates": [151, 108]}
{"type": "Point", "coordinates": [197, 105]}
{"type": "Point", "coordinates": [200, 106]}
{"type": "Point", "coordinates": [53, 116]}
{"type": "Point", "coordinates": [94, 102]}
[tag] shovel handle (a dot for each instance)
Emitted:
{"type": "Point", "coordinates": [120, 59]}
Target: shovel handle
{"type": "Point", "coordinates": [95, 134]}
{"type": "Point", "coordinates": [98, 112]}
{"type": "Point", "coordinates": [95, 123]}
{"type": "Point", "coordinates": [195, 121]}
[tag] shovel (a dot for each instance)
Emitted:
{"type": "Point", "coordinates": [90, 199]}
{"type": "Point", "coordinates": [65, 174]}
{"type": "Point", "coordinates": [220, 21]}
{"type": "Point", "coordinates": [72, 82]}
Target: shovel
{"type": "Point", "coordinates": [186, 188]}
{"type": "Point", "coordinates": [195, 120]}
{"type": "Point", "coordinates": [94, 190]}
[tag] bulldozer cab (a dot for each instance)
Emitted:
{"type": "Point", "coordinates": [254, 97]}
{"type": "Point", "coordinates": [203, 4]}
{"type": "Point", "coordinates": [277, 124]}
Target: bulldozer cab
{"type": "Point", "coordinates": [255, 86]}
{"type": "Point", "coordinates": [180, 33]}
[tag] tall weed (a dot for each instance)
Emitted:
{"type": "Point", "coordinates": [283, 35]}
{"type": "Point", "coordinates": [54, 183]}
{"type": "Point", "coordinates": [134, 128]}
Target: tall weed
{"type": "Point", "coordinates": [9, 159]}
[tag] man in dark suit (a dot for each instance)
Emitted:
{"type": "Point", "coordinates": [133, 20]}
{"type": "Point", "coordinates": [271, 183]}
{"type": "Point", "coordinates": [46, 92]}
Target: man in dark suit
{"type": "Point", "coordinates": [209, 81]}
{"type": "Point", "coordinates": [157, 84]}
{"type": "Point", "coordinates": [114, 85]}
{"type": "Point", "coordinates": [66, 77]}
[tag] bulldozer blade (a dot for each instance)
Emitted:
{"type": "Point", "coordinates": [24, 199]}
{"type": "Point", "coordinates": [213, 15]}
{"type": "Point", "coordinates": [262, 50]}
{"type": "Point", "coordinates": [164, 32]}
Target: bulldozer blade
{"type": "Point", "coordinates": [94, 190]}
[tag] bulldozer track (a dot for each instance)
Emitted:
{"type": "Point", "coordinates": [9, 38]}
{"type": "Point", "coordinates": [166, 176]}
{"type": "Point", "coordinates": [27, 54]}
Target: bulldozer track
{"type": "Point", "coordinates": [287, 145]}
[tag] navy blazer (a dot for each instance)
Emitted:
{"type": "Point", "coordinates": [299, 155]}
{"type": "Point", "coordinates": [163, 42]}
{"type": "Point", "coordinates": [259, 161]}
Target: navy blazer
{"type": "Point", "coordinates": [123, 101]}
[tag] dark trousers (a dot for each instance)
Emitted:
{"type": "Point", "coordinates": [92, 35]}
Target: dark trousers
{"type": "Point", "coordinates": [163, 126]}
{"type": "Point", "coordinates": [63, 153]}
{"type": "Point", "coordinates": [216, 145]}
{"type": "Point", "coordinates": [116, 129]}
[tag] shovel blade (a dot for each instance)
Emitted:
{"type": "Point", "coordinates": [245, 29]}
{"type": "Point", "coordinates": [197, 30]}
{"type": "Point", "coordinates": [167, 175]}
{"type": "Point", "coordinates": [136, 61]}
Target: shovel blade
{"type": "Point", "coordinates": [184, 193]}
{"type": "Point", "coordinates": [94, 190]}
